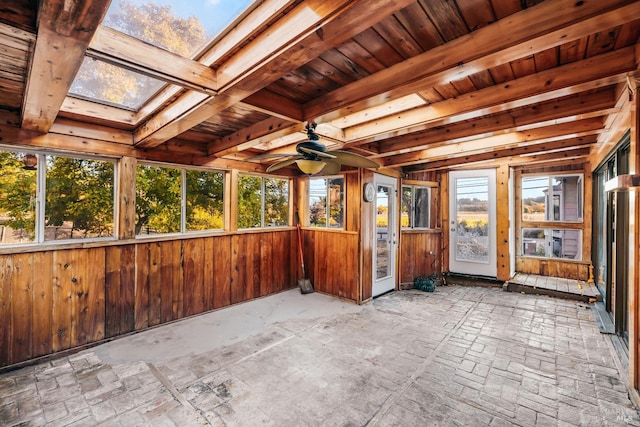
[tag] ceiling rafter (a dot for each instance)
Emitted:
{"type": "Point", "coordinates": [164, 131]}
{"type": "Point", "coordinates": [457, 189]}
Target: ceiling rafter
{"type": "Point", "coordinates": [561, 131]}
{"type": "Point", "coordinates": [128, 52]}
{"type": "Point", "coordinates": [63, 27]}
{"type": "Point", "coordinates": [533, 30]}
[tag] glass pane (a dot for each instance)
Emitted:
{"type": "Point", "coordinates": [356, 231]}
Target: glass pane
{"type": "Point", "coordinates": [205, 204]}
{"type": "Point", "coordinates": [534, 242]}
{"type": "Point", "coordinates": [108, 84]}
{"type": "Point", "coordinates": [158, 199]}
{"type": "Point", "coordinates": [79, 198]}
{"type": "Point", "coordinates": [174, 25]}
{"type": "Point", "coordinates": [552, 243]}
{"type": "Point", "coordinates": [249, 201]}
{"type": "Point", "coordinates": [421, 209]}
{"type": "Point", "coordinates": [472, 219]}
{"type": "Point", "coordinates": [318, 202]}
{"type": "Point", "coordinates": [406, 207]}
{"type": "Point", "coordinates": [556, 198]}
{"type": "Point", "coordinates": [336, 203]}
{"type": "Point", "coordinates": [276, 202]}
{"type": "Point", "coordinates": [17, 199]}
{"type": "Point", "coordinates": [534, 198]}
{"type": "Point", "coordinates": [382, 232]}
{"type": "Point", "coordinates": [566, 198]}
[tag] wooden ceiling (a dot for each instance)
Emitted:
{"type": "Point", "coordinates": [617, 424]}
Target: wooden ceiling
{"type": "Point", "coordinates": [415, 85]}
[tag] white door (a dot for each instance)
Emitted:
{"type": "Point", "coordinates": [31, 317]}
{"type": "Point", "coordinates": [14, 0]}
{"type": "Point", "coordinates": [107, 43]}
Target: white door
{"type": "Point", "coordinates": [384, 254]}
{"type": "Point", "coordinates": [472, 224]}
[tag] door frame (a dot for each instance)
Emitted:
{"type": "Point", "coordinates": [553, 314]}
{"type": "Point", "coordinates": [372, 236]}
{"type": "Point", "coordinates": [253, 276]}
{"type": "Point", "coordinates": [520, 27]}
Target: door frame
{"type": "Point", "coordinates": [388, 283]}
{"type": "Point", "coordinates": [489, 269]}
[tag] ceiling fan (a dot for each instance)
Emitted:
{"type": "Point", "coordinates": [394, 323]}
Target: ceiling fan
{"type": "Point", "coordinates": [312, 157]}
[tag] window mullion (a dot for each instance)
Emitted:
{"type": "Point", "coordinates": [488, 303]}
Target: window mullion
{"type": "Point", "coordinates": [41, 192]}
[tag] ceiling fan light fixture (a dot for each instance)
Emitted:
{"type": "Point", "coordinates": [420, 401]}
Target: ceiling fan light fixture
{"type": "Point", "coordinates": [310, 167]}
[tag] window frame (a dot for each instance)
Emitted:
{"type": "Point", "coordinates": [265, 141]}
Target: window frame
{"type": "Point", "coordinates": [549, 213]}
{"type": "Point", "coordinates": [263, 201]}
{"type": "Point", "coordinates": [412, 219]}
{"type": "Point", "coordinates": [327, 207]}
{"type": "Point", "coordinates": [41, 198]}
{"type": "Point", "coordinates": [183, 201]}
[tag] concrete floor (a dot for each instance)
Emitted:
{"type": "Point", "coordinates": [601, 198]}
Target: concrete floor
{"type": "Point", "coordinates": [459, 356]}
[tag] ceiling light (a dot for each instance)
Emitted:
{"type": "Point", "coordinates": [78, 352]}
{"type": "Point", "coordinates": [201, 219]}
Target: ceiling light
{"type": "Point", "coordinates": [310, 167]}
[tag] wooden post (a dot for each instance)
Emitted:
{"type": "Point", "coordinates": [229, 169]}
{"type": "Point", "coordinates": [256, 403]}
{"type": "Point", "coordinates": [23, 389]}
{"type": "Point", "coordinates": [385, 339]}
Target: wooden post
{"type": "Point", "coordinates": [634, 255]}
{"type": "Point", "coordinates": [126, 205]}
{"type": "Point", "coordinates": [502, 222]}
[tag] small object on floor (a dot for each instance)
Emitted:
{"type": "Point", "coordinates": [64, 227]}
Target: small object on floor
{"type": "Point", "coordinates": [425, 283]}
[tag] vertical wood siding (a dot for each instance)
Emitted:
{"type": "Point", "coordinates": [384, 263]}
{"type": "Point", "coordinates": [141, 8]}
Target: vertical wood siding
{"type": "Point", "coordinates": [56, 300]}
{"type": "Point", "coordinates": [419, 254]}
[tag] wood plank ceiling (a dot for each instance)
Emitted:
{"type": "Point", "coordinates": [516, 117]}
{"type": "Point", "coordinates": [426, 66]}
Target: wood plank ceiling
{"type": "Point", "coordinates": [415, 85]}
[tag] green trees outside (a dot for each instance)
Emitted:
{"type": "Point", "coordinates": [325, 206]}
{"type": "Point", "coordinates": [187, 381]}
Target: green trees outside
{"type": "Point", "coordinates": [80, 191]}
{"type": "Point", "coordinates": [78, 198]}
{"type": "Point", "coordinates": [251, 206]}
{"type": "Point", "coordinates": [205, 202]}
{"type": "Point", "coordinates": [17, 199]}
{"type": "Point", "coordinates": [158, 197]}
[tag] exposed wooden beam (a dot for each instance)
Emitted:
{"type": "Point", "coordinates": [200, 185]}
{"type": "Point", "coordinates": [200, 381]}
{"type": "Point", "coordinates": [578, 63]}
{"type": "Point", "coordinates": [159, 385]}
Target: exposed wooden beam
{"type": "Point", "coordinates": [76, 107]}
{"type": "Point", "coordinates": [306, 31]}
{"type": "Point", "coordinates": [563, 111]}
{"type": "Point", "coordinates": [275, 105]}
{"type": "Point", "coordinates": [514, 139]}
{"type": "Point", "coordinates": [64, 32]}
{"type": "Point", "coordinates": [128, 52]}
{"type": "Point", "coordinates": [592, 73]}
{"type": "Point", "coordinates": [533, 30]}
{"type": "Point", "coordinates": [251, 136]}
{"type": "Point", "coordinates": [65, 126]}
{"type": "Point", "coordinates": [530, 151]}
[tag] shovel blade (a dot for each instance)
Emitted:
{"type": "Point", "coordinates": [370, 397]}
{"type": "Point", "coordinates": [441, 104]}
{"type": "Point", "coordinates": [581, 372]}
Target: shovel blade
{"type": "Point", "coordinates": [305, 286]}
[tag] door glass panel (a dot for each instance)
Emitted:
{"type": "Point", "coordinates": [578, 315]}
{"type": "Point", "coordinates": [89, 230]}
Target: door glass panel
{"type": "Point", "coordinates": [472, 219]}
{"type": "Point", "coordinates": [383, 239]}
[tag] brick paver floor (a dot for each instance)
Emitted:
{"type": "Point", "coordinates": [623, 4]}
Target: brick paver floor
{"type": "Point", "coordinates": [460, 356]}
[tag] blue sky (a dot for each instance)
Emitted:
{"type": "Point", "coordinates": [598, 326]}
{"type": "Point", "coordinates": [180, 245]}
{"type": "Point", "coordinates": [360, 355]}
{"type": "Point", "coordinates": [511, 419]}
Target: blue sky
{"type": "Point", "coordinates": [214, 15]}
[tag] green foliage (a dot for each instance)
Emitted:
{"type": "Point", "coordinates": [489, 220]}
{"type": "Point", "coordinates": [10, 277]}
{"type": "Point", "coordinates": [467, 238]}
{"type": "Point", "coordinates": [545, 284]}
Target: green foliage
{"type": "Point", "coordinates": [276, 200]}
{"type": "Point", "coordinates": [17, 196]}
{"type": "Point", "coordinates": [249, 201]}
{"type": "Point", "coordinates": [80, 191]}
{"type": "Point", "coordinates": [158, 200]}
{"type": "Point", "coordinates": [205, 204]}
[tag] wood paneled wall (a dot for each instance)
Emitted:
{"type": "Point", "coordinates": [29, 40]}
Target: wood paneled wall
{"type": "Point", "coordinates": [332, 262]}
{"type": "Point", "coordinates": [60, 299]}
{"type": "Point", "coordinates": [420, 254]}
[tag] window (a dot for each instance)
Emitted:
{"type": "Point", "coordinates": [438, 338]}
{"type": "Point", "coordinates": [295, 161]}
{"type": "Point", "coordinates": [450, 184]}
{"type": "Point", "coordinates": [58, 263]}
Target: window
{"type": "Point", "coordinates": [77, 197]}
{"type": "Point", "coordinates": [326, 202]}
{"type": "Point", "coordinates": [172, 200]}
{"type": "Point", "coordinates": [415, 206]}
{"type": "Point", "coordinates": [552, 198]}
{"type": "Point", "coordinates": [552, 243]}
{"type": "Point", "coordinates": [205, 204]}
{"type": "Point", "coordinates": [262, 202]}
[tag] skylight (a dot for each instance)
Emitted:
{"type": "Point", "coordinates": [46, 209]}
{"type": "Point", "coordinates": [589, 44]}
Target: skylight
{"type": "Point", "coordinates": [179, 26]}
{"type": "Point", "coordinates": [105, 83]}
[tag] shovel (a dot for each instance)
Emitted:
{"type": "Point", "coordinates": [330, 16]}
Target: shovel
{"type": "Point", "coordinates": [305, 284]}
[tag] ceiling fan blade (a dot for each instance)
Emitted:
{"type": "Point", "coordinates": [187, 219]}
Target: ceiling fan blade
{"type": "Point", "coordinates": [272, 156]}
{"type": "Point", "coordinates": [331, 167]}
{"type": "Point", "coordinates": [316, 152]}
{"type": "Point", "coordinates": [282, 164]}
{"type": "Point", "coordinates": [351, 159]}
